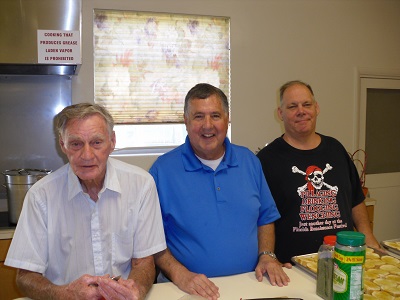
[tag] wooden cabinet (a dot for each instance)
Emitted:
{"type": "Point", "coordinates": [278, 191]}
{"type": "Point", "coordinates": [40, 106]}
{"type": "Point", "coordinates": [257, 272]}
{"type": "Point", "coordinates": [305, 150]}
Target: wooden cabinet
{"type": "Point", "coordinates": [8, 288]}
{"type": "Point", "coordinates": [370, 203]}
{"type": "Point", "coordinates": [370, 211]}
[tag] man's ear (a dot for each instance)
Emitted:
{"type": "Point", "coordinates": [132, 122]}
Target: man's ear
{"type": "Point", "coordinates": [279, 113]}
{"type": "Point", "coordinates": [113, 140]}
{"type": "Point", "coordinates": [61, 143]}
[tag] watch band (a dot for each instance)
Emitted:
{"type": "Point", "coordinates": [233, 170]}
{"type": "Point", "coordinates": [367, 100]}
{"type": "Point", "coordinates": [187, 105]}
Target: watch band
{"type": "Point", "coordinates": [269, 253]}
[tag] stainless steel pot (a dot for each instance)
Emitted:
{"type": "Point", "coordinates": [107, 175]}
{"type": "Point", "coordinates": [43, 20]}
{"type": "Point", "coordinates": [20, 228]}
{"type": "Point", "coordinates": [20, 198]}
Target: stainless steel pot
{"type": "Point", "coordinates": [17, 183]}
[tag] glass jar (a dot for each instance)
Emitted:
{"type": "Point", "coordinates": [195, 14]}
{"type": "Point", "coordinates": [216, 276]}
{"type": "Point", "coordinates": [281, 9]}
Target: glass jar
{"type": "Point", "coordinates": [349, 259]}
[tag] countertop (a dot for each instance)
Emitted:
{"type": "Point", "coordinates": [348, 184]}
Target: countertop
{"type": "Point", "coordinates": [301, 285]}
{"type": "Point", "coordinates": [246, 286]}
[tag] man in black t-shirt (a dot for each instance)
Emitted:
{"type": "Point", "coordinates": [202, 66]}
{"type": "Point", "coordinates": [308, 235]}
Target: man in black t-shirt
{"type": "Point", "coordinates": [312, 179]}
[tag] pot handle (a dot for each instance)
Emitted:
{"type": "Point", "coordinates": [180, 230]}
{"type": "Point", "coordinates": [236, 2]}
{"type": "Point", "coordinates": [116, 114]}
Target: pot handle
{"type": "Point", "coordinates": [23, 172]}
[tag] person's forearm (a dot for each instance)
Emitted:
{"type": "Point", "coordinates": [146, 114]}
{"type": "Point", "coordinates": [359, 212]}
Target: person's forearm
{"type": "Point", "coordinates": [169, 266]}
{"type": "Point", "coordinates": [362, 224]}
{"type": "Point", "coordinates": [36, 286]}
{"type": "Point", "coordinates": [143, 273]}
{"type": "Point", "coordinates": [266, 238]}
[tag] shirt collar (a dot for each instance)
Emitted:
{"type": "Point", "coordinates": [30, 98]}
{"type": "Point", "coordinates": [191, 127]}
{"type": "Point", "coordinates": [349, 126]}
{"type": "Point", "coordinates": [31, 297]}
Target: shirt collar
{"type": "Point", "coordinates": [111, 181]}
{"type": "Point", "coordinates": [192, 163]}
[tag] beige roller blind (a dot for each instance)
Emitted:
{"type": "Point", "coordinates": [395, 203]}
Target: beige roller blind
{"type": "Point", "coordinates": [145, 63]}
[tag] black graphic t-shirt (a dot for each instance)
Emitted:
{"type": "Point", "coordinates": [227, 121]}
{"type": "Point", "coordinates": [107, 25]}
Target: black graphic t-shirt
{"type": "Point", "coordinates": [314, 190]}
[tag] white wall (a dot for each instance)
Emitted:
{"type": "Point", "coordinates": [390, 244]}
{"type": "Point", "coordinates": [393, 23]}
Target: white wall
{"type": "Point", "coordinates": [323, 42]}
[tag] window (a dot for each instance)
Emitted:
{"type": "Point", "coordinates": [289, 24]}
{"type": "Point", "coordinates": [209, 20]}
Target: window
{"type": "Point", "coordinates": [379, 134]}
{"type": "Point", "coordinates": [382, 141]}
{"type": "Point", "coordinates": [145, 63]}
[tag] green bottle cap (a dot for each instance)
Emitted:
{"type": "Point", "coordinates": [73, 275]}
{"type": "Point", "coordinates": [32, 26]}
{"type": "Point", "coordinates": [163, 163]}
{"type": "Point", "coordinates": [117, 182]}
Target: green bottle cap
{"type": "Point", "coordinates": [350, 238]}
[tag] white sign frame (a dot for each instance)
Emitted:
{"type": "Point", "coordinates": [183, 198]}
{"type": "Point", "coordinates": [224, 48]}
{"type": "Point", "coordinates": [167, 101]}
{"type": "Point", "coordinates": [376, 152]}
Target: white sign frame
{"type": "Point", "coordinates": [59, 47]}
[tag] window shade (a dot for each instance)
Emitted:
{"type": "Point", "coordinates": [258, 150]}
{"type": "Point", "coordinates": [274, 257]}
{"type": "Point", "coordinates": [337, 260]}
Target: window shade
{"type": "Point", "coordinates": [145, 63]}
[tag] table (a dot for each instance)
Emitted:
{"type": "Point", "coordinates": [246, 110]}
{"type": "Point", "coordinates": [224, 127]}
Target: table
{"type": "Point", "coordinates": [245, 285]}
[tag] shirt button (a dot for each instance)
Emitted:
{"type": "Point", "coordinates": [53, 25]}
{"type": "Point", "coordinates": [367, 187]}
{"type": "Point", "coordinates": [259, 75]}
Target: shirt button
{"type": "Point", "coordinates": [218, 188]}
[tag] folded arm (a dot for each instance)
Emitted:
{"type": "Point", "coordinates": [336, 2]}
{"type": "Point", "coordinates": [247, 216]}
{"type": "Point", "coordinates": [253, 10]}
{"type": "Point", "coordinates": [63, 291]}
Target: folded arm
{"type": "Point", "coordinates": [36, 286]}
{"type": "Point", "coordinates": [140, 280]}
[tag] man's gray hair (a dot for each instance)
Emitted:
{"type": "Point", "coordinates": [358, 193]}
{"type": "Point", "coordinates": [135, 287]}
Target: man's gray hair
{"type": "Point", "coordinates": [82, 111]}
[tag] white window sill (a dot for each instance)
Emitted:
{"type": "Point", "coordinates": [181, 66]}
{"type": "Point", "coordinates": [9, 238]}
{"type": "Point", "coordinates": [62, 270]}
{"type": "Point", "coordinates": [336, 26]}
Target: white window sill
{"type": "Point", "coordinates": [141, 151]}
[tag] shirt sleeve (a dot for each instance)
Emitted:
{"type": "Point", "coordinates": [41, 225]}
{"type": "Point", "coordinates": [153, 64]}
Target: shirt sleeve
{"type": "Point", "coordinates": [268, 210]}
{"type": "Point", "coordinates": [28, 249]}
{"type": "Point", "coordinates": [149, 234]}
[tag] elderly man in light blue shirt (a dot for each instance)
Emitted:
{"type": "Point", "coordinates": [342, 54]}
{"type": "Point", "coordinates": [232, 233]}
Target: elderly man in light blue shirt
{"type": "Point", "coordinates": [91, 219]}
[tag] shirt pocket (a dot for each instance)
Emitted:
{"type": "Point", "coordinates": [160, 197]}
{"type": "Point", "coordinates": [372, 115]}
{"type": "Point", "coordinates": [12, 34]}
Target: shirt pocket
{"type": "Point", "coordinates": [122, 250]}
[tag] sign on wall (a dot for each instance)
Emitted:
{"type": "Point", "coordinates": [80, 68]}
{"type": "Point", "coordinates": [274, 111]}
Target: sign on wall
{"type": "Point", "coordinates": [59, 47]}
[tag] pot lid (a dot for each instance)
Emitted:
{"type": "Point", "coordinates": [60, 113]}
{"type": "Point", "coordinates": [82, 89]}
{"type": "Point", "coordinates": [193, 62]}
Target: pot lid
{"type": "Point", "coordinates": [24, 176]}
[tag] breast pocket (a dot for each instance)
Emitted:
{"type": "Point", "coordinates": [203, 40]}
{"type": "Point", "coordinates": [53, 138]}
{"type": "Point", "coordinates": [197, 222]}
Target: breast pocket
{"type": "Point", "coordinates": [122, 250]}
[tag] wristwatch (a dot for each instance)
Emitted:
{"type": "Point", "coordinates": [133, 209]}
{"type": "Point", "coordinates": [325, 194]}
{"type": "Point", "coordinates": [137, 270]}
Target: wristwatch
{"type": "Point", "coordinates": [269, 253]}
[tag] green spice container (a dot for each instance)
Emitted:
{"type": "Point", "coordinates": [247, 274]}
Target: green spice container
{"type": "Point", "coordinates": [349, 259]}
{"type": "Point", "coordinates": [325, 267]}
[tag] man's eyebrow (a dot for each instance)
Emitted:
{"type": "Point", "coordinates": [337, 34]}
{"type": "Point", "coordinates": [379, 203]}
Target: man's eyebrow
{"type": "Point", "coordinates": [98, 136]}
{"type": "Point", "coordinates": [73, 137]}
{"type": "Point", "coordinates": [78, 138]}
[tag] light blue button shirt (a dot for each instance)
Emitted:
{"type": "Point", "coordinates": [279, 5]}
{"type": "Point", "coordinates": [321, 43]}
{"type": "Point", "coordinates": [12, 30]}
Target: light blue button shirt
{"type": "Point", "coordinates": [63, 234]}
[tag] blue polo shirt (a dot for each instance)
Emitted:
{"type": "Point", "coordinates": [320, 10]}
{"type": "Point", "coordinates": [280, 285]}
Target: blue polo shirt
{"type": "Point", "coordinates": [211, 217]}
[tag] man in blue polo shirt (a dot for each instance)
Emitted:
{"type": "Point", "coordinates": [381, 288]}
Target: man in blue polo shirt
{"type": "Point", "coordinates": [217, 208]}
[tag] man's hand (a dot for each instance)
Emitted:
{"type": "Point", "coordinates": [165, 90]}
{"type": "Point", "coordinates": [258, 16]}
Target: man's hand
{"type": "Point", "coordinates": [198, 284]}
{"type": "Point", "coordinates": [187, 281]}
{"type": "Point", "coordinates": [121, 289]}
{"type": "Point", "coordinates": [85, 287]}
{"type": "Point", "coordinates": [35, 286]}
{"type": "Point", "coordinates": [274, 270]}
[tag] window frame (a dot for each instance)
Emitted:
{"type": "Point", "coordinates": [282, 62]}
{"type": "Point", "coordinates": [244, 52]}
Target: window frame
{"type": "Point", "coordinates": [160, 148]}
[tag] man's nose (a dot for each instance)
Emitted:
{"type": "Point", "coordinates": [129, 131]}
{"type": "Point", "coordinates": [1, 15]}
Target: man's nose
{"type": "Point", "coordinates": [300, 109]}
{"type": "Point", "coordinates": [207, 122]}
{"type": "Point", "coordinates": [87, 152]}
